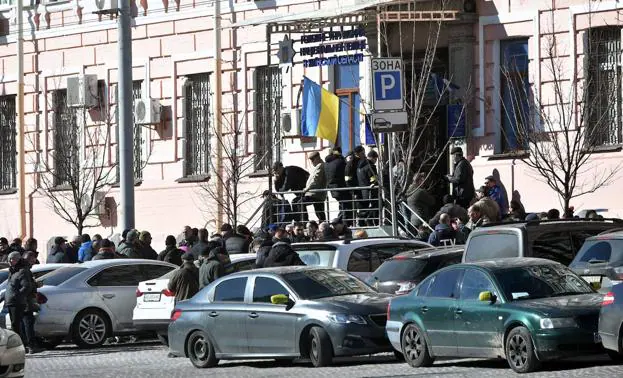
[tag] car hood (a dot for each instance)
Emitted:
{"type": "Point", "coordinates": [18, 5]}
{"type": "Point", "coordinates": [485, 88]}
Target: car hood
{"type": "Point", "coordinates": [572, 305]}
{"type": "Point", "coordinates": [373, 303]}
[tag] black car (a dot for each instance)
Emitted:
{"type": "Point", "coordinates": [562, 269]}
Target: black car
{"type": "Point", "coordinates": [600, 260]}
{"type": "Point", "coordinates": [611, 322]}
{"type": "Point", "coordinates": [400, 274]}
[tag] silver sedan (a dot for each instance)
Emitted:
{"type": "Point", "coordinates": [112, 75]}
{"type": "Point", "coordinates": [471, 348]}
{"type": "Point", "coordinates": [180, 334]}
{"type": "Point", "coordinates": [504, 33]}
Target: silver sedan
{"type": "Point", "coordinates": [87, 303]}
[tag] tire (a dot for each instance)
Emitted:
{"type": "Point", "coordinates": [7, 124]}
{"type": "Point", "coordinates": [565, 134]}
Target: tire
{"type": "Point", "coordinates": [519, 351]}
{"type": "Point", "coordinates": [90, 329]}
{"type": "Point", "coordinates": [50, 343]}
{"type": "Point", "coordinates": [320, 348]}
{"type": "Point", "coordinates": [414, 347]}
{"type": "Point", "coordinates": [163, 338]}
{"type": "Point", "coordinates": [201, 351]}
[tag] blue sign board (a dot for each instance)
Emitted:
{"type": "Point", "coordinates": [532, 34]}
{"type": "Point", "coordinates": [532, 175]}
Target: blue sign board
{"type": "Point", "coordinates": [387, 83]}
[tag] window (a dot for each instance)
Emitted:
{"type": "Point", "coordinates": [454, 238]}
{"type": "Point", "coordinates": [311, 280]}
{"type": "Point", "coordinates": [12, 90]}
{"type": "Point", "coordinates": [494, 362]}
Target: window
{"type": "Point", "coordinates": [516, 94]}
{"type": "Point", "coordinates": [540, 281]}
{"type": "Point", "coordinates": [603, 52]}
{"type": "Point", "coordinates": [316, 255]}
{"type": "Point", "coordinates": [600, 251]}
{"type": "Point", "coordinates": [60, 275]}
{"type": "Point", "coordinates": [491, 246]}
{"type": "Point", "coordinates": [231, 290]}
{"type": "Point", "coordinates": [554, 246]}
{"type": "Point", "coordinates": [266, 288]}
{"type": "Point", "coordinates": [359, 260]}
{"type": "Point", "coordinates": [243, 265]}
{"type": "Point", "coordinates": [122, 275]}
{"type": "Point", "coordinates": [347, 89]}
{"type": "Point", "coordinates": [267, 113]}
{"type": "Point", "coordinates": [422, 291]}
{"type": "Point", "coordinates": [198, 122]}
{"type": "Point", "coordinates": [66, 142]}
{"type": "Point", "coordinates": [380, 253]}
{"type": "Point", "coordinates": [445, 284]}
{"type": "Point", "coordinates": [324, 283]}
{"type": "Point", "coordinates": [474, 283]}
{"type": "Point", "coordinates": [8, 152]}
{"type": "Point", "coordinates": [151, 272]}
{"type": "Point", "coordinates": [137, 93]}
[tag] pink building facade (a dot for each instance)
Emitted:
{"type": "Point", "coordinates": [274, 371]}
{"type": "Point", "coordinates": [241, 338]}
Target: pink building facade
{"type": "Point", "coordinates": [173, 68]}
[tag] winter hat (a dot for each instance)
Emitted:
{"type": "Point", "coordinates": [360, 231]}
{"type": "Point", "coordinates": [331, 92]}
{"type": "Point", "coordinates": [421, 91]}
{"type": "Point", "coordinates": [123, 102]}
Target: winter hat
{"type": "Point", "coordinates": [456, 150]}
{"type": "Point", "coordinates": [59, 240]}
{"type": "Point", "coordinates": [132, 235]}
{"type": "Point", "coordinates": [14, 255]}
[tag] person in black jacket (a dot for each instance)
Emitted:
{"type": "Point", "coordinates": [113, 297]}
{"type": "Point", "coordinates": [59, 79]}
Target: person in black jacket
{"type": "Point", "coordinates": [367, 175]}
{"type": "Point", "coordinates": [462, 178]}
{"type": "Point", "coordinates": [335, 169]}
{"type": "Point", "coordinates": [201, 244]}
{"type": "Point", "coordinates": [263, 251]}
{"type": "Point", "coordinates": [18, 290]}
{"type": "Point", "coordinates": [290, 178]}
{"type": "Point", "coordinates": [281, 253]}
{"type": "Point", "coordinates": [171, 253]}
{"type": "Point", "coordinates": [58, 251]}
{"type": "Point", "coordinates": [233, 242]}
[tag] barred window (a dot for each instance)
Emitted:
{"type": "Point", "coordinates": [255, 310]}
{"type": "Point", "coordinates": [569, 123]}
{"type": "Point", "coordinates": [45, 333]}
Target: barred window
{"type": "Point", "coordinates": [267, 113]}
{"type": "Point", "coordinates": [137, 92]}
{"type": "Point", "coordinates": [66, 143]}
{"type": "Point", "coordinates": [8, 169]}
{"type": "Point", "coordinates": [603, 52]}
{"type": "Point", "coordinates": [515, 83]}
{"type": "Point", "coordinates": [197, 122]}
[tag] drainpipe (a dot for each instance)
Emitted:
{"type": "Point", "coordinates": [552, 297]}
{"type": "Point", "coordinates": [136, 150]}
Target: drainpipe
{"type": "Point", "coordinates": [21, 186]}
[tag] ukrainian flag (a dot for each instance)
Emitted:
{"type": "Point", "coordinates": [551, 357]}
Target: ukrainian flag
{"type": "Point", "coordinates": [320, 112]}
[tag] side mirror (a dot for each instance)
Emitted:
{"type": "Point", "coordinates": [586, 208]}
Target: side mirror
{"type": "Point", "coordinates": [487, 296]}
{"type": "Point", "coordinates": [279, 299]}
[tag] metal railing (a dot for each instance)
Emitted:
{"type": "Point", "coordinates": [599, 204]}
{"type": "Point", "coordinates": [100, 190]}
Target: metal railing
{"type": "Point", "coordinates": [403, 215]}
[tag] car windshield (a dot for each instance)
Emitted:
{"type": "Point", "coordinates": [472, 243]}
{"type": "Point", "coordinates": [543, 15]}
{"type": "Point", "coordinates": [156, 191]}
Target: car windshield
{"type": "Point", "coordinates": [4, 274]}
{"type": "Point", "coordinates": [316, 255]}
{"type": "Point", "coordinates": [60, 275]}
{"type": "Point", "coordinates": [323, 283]}
{"type": "Point", "coordinates": [399, 270]}
{"type": "Point", "coordinates": [600, 251]}
{"type": "Point", "coordinates": [540, 281]}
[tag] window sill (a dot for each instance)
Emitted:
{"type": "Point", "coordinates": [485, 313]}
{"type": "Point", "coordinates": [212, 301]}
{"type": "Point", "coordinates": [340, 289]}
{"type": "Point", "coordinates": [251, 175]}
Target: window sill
{"type": "Point", "coordinates": [8, 191]}
{"type": "Point", "coordinates": [510, 155]}
{"type": "Point", "coordinates": [604, 149]}
{"type": "Point", "coordinates": [196, 178]}
{"type": "Point", "coordinates": [137, 182]}
{"type": "Point", "coordinates": [60, 188]}
{"type": "Point", "coordinates": [259, 174]}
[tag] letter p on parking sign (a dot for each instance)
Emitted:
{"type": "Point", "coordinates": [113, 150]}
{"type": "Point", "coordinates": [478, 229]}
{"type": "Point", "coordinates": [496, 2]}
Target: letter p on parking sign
{"type": "Point", "coordinates": [387, 83]}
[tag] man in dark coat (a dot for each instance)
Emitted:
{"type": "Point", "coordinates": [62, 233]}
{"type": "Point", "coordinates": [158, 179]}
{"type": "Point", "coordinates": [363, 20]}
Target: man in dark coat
{"type": "Point", "coordinates": [18, 290]}
{"type": "Point", "coordinates": [281, 253]}
{"type": "Point", "coordinates": [58, 251]}
{"type": "Point", "coordinates": [462, 178]}
{"type": "Point", "coordinates": [144, 246]}
{"type": "Point", "coordinates": [420, 200]}
{"type": "Point", "coordinates": [130, 247]}
{"type": "Point", "coordinates": [367, 175]}
{"type": "Point", "coordinates": [16, 246]}
{"type": "Point", "coordinates": [171, 253]}
{"type": "Point", "coordinates": [290, 178]}
{"type": "Point", "coordinates": [106, 251]}
{"type": "Point", "coordinates": [263, 251]}
{"type": "Point", "coordinates": [443, 231]}
{"type": "Point", "coordinates": [211, 268]}
{"type": "Point", "coordinates": [335, 169]}
{"type": "Point", "coordinates": [453, 210]}
{"type": "Point", "coordinates": [234, 243]}
{"type": "Point", "coordinates": [201, 245]}
{"type": "Point", "coordinates": [185, 281]}
{"type": "Point", "coordinates": [28, 321]}
{"type": "Point", "coordinates": [71, 252]}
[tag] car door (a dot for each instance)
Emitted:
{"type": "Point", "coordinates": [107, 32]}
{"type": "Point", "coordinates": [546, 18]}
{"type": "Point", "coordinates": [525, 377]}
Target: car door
{"type": "Point", "coordinates": [271, 328]}
{"type": "Point", "coordinates": [227, 315]}
{"type": "Point", "coordinates": [477, 325]}
{"type": "Point", "coordinates": [116, 287]}
{"type": "Point", "coordinates": [438, 311]}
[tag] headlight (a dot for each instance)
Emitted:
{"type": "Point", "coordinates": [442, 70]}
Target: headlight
{"type": "Point", "coordinates": [549, 323]}
{"type": "Point", "coordinates": [346, 319]}
{"type": "Point", "coordinates": [13, 342]}
{"type": "Point", "coordinates": [405, 287]}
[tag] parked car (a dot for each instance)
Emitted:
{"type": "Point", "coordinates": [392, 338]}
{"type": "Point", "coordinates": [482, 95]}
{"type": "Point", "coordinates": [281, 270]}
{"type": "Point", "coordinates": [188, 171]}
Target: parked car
{"type": "Point", "coordinates": [12, 354]}
{"type": "Point", "coordinates": [155, 303]}
{"type": "Point", "coordinates": [600, 260]}
{"type": "Point", "coordinates": [558, 240]}
{"type": "Point", "coordinates": [89, 302]}
{"type": "Point", "coordinates": [280, 313]}
{"type": "Point", "coordinates": [525, 310]}
{"type": "Point", "coordinates": [401, 274]}
{"type": "Point", "coordinates": [611, 323]}
{"type": "Point", "coordinates": [359, 257]}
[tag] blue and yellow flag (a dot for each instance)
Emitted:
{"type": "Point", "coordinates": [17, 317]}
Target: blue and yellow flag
{"type": "Point", "coordinates": [320, 112]}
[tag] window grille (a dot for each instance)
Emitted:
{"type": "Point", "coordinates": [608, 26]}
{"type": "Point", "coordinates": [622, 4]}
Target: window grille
{"type": "Point", "coordinates": [198, 121]}
{"type": "Point", "coordinates": [8, 152]}
{"type": "Point", "coordinates": [137, 92]}
{"type": "Point", "coordinates": [66, 143]}
{"type": "Point", "coordinates": [267, 113]}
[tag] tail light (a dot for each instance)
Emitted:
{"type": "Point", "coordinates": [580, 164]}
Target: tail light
{"type": "Point", "coordinates": [405, 287]}
{"type": "Point", "coordinates": [41, 299]}
{"type": "Point", "coordinates": [139, 293]}
{"type": "Point", "coordinates": [176, 315]}
{"type": "Point", "coordinates": [168, 293]}
{"type": "Point", "coordinates": [608, 299]}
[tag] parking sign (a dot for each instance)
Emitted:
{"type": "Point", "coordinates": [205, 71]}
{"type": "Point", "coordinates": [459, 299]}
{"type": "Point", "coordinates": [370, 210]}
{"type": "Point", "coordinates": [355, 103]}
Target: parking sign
{"type": "Point", "coordinates": [387, 84]}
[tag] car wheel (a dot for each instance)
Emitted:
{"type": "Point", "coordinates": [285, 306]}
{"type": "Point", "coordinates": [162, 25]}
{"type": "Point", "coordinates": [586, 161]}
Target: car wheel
{"type": "Point", "coordinates": [164, 339]}
{"type": "Point", "coordinates": [520, 351]}
{"type": "Point", "coordinates": [90, 329]}
{"type": "Point", "coordinates": [414, 347]}
{"type": "Point", "coordinates": [50, 342]}
{"type": "Point", "coordinates": [320, 348]}
{"type": "Point", "coordinates": [201, 351]}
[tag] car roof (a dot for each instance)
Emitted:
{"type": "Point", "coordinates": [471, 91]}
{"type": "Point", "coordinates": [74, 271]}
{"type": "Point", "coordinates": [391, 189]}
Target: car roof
{"type": "Point", "coordinates": [429, 252]}
{"type": "Point", "coordinates": [114, 262]}
{"type": "Point", "coordinates": [360, 242]}
{"type": "Point", "coordinates": [42, 267]}
{"type": "Point", "coordinates": [575, 221]}
{"type": "Point", "coordinates": [511, 262]}
{"type": "Point", "coordinates": [283, 270]}
{"type": "Point", "coordinates": [613, 234]}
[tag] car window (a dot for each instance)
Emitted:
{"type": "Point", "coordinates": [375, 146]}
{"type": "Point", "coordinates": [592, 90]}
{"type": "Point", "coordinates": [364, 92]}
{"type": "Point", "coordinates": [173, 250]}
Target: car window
{"type": "Point", "coordinates": [600, 251]}
{"type": "Point", "coordinates": [444, 285]}
{"type": "Point", "coordinates": [324, 283]}
{"type": "Point", "coordinates": [359, 260]}
{"type": "Point", "coordinates": [41, 273]}
{"type": "Point", "coordinates": [153, 271]}
{"type": "Point", "coordinates": [474, 283]}
{"type": "Point", "coordinates": [423, 289]}
{"type": "Point", "coordinates": [400, 269]}
{"type": "Point", "coordinates": [120, 275]}
{"type": "Point", "coordinates": [380, 253]}
{"type": "Point", "coordinates": [578, 237]}
{"type": "Point", "coordinates": [265, 288]}
{"type": "Point", "coordinates": [492, 245]}
{"type": "Point", "coordinates": [554, 246]}
{"type": "Point", "coordinates": [450, 260]}
{"type": "Point", "coordinates": [241, 266]}
{"type": "Point", "coordinates": [60, 275]}
{"type": "Point", "coordinates": [231, 290]}
{"type": "Point", "coordinates": [315, 255]}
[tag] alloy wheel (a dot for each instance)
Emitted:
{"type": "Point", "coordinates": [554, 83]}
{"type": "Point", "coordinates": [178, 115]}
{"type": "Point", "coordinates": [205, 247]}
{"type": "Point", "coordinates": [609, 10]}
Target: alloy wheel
{"type": "Point", "coordinates": [413, 344]}
{"type": "Point", "coordinates": [200, 348]}
{"type": "Point", "coordinates": [314, 348]}
{"type": "Point", "coordinates": [518, 349]}
{"type": "Point", "coordinates": [92, 329]}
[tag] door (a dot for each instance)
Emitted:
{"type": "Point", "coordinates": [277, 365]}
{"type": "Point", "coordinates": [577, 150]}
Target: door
{"type": "Point", "coordinates": [271, 329]}
{"type": "Point", "coordinates": [477, 325]}
{"type": "Point", "coordinates": [116, 286]}
{"type": "Point", "coordinates": [226, 317]}
{"type": "Point", "coordinates": [438, 312]}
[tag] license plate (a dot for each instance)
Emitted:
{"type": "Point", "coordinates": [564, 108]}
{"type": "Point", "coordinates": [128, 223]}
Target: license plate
{"type": "Point", "coordinates": [152, 297]}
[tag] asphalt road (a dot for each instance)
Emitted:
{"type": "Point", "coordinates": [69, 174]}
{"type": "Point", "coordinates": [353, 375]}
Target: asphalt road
{"type": "Point", "coordinates": [150, 360]}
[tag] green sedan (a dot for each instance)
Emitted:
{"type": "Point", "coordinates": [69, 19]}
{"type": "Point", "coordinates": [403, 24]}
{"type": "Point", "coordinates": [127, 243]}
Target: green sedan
{"type": "Point", "coordinates": [522, 309]}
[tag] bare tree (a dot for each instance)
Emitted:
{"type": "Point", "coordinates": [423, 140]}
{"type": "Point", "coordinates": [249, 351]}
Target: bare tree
{"type": "Point", "coordinates": [560, 127]}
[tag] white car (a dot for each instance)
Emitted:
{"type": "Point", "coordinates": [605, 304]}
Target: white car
{"type": "Point", "coordinates": [155, 303]}
{"type": "Point", "coordinates": [359, 257]}
{"type": "Point", "coordinates": [12, 354]}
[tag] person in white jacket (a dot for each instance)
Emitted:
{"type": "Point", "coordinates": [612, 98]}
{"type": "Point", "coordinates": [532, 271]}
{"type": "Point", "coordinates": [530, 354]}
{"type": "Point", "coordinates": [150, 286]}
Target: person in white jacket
{"type": "Point", "coordinates": [317, 180]}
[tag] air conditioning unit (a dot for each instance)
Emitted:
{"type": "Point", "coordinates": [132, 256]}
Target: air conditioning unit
{"type": "Point", "coordinates": [146, 111]}
{"type": "Point", "coordinates": [291, 122]}
{"type": "Point", "coordinates": [82, 91]}
{"type": "Point", "coordinates": [101, 6]}
{"type": "Point", "coordinates": [97, 207]}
